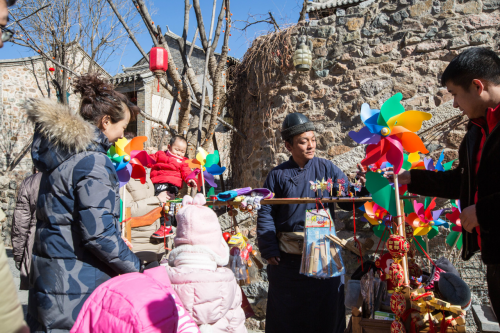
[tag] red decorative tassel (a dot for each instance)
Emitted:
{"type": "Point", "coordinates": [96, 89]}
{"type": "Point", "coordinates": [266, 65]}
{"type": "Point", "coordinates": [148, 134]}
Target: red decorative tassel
{"type": "Point", "coordinates": [158, 85]}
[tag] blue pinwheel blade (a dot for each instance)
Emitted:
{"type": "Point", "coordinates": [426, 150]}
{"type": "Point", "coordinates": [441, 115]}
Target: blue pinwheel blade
{"type": "Point", "coordinates": [215, 170]}
{"type": "Point", "coordinates": [364, 136]}
{"type": "Point", "coordinates": [439, 163]}
{"type": "Point", "coordinates": [367, 112]}
{"type": "Point", "coordinates": [372, 124]}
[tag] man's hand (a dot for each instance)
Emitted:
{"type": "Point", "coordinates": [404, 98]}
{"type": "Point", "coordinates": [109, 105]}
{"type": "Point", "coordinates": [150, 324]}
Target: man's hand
{"type": "Point", "coordinates": [273, 261]}
{"type": "Point", "coordinates": [361, 174]}
{"type": "Point", "coordinates": [469, 218]}
{"type": "Point", "coordinates": [404, 177]}
{"type": "Point", "coordinates": [163, 197]}
{"type": "Point", "coordinates": [191, 183]}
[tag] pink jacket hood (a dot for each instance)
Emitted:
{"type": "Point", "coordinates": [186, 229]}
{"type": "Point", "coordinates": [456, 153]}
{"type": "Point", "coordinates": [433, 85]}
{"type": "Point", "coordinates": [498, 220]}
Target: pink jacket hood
{"type": "Point", "coordinates": [135, 302]}
{"type": "Point", "coordinates": [209, 293]}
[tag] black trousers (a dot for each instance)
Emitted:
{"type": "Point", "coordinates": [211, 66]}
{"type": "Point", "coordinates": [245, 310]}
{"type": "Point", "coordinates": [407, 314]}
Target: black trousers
{"type": "Point", "coordinates": [162, 187]}
{"type": "Point", "coordinates": [493, 279]}
{"type": "Point", "coordinates": [297, 303]}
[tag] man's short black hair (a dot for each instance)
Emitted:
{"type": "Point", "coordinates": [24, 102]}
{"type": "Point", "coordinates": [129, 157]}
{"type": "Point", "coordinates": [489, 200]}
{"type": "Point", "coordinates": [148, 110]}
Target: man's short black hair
{"type": "Point", "coordinates": [175, 137]}
{"type": "Point", "coordinates": [474, 63]}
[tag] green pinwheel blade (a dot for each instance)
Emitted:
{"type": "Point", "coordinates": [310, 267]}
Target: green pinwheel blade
{"type": "Point", "coordinates": [210, 193]}
{"type": "Point", "coordinates": [433, 232]}
{"type": "Point", "coordinates": [392, 107]}
{"type": "Point", "coordinates": [454, 203]}
{"type": "Point", "coordinates": [383, 193]}
{"type": "Point", "coordinates": [406, 164]}
{"type": "Point", "coordinates": [447, 166]}
{"type": "Point", "coordinates": [212, 159]}
{"type": "Point", "coordinates": [452, 237]}
{"type": "Point", "coordinates": [408, 208]}
{"type": "Point", "coordinates": [420, 241]}
{"type": "Point", "coordinates": [111, 151]}
{"type": "Point", "coordinates": [427, 202]}
{"type": "Point", "coordinates": [379, 231]}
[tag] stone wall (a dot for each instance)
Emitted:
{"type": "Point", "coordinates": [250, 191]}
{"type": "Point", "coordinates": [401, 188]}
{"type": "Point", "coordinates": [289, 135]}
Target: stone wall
{"type": "Point", "coordinates": [363, 54]}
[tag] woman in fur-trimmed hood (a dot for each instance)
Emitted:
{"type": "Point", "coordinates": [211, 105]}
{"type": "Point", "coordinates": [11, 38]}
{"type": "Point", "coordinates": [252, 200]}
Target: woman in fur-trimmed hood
{"type": "Point", "coordinates": [77, 241]}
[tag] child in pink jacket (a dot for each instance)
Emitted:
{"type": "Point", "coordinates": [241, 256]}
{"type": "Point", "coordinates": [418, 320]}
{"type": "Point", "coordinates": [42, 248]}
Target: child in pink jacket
{"type": "Point", "coordinates": [208, 290]}
{"type": "Point", "coordinates": [133, 303]}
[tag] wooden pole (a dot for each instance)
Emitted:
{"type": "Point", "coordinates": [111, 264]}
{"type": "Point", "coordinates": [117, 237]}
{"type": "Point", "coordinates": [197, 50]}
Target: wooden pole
{"type": "Point", "coordinates": [401, 227]}
{"type": "Point", "coordinates": [453, 247]}
{"type": "Point", "coordinates": [203, 181]}
{"type": "Point", "coordinates": [123, 211]}
{"type": "Point", "coordinates": [427, 249]}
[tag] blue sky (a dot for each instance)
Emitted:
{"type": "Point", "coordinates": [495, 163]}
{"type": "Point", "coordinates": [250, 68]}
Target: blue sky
{"type": "Point", "coordinates": [171, 13]}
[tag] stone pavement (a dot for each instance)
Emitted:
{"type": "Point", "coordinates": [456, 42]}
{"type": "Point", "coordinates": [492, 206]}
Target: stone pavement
{"type": "Point", "coordinates": [22, 294]}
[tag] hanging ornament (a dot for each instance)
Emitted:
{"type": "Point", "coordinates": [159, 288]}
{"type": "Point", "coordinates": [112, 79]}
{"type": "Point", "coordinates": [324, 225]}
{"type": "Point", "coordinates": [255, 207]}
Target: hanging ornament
{"type": "Point", "coordinates": [158, 62]}
{"type": "Point", "coordinates": [398, 306]}
{"type": "Point", "coordinates": [396, 276]}
{"type": "Point", "coordinates": [397, 246]}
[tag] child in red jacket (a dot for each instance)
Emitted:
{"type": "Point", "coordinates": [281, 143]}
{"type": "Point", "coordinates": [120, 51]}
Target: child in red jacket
{"type": "Point", "coordinates": [167, 175]}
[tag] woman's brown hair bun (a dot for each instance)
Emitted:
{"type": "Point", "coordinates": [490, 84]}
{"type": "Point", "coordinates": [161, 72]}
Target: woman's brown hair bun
{"type": "Point", "coordinates": [99, 99]}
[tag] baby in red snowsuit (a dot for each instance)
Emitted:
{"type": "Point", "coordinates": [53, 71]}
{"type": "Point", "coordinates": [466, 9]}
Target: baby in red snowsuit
{"type": "Point", "coordinates": [168, 174]}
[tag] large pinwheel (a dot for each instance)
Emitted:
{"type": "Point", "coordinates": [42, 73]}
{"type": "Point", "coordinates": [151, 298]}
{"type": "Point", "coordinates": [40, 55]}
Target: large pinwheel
{"type": "Point", "coordinates": [388, 131]}
{"type": "Point", "coordinates": [424, 220]}
{"type": "Point", "coordinates": [208, 163]}
{"type": "Point", "coordinates": [129, 159]}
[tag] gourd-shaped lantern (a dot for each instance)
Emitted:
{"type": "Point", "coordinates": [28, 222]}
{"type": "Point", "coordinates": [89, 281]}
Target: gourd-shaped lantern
{"type": "Point", "coordinates": [158, 62]}
{"type": "Point", "coordinates": [302, 58]}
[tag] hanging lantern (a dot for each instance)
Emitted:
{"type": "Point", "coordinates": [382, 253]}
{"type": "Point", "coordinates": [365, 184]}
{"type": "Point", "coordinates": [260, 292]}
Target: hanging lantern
{"type": "Point", "coordinates": [398, 306]}
{"type": "Point", "coordinates": [396, 274]}
{"type": "Point", "coordinates": [302, 58]}
{"type": "Point", "coordinates": [158, 62]}
{"type": "Point", "coordinates": [397, 246]}
{"type": "Point", "coordinates": [51, 69]}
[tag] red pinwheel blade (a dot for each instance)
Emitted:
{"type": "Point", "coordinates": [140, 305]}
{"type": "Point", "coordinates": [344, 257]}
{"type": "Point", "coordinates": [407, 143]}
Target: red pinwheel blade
{"type": "Point", "coordinates": [141, 157]}
{"type": "Point", "coordinates": [375, 152]}
{"type": "Point", "coordinates": [432, 205]}
{"type": "Point", "coordinates": [395, 153]}
{"type": "Point", "coordinates": [138, 172]}
{"type": "Point", "coordinates": [454, 216]}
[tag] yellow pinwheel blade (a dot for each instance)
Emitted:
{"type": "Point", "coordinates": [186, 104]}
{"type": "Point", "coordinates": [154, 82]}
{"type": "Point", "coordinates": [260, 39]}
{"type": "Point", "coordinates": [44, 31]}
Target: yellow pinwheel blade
{"type": "Point", "coordinates": [411, 120]}
{"type": "Point", "coordinates": [372, 221]}
{"type": "Point", "coordinates": [413, 157]}
{"type": "Point", "coordinates": [420, 231]}
{"type": "Point", "coordinates": [120, 146]}
{"type": "Point", "coordinates": [201, 156]}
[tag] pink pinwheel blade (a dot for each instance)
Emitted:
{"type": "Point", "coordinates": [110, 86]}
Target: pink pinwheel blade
{"type": "Point", "coordinates": [364, 136]}
{"type": "Point", "coordinates": [209, 179]}
{"type": "Point", "coordinates": [457, 228]}
{"type": "Point", "coordinates": [124, 175]}
{"type": "Point", "coordinates": [419, 209]}
{"type": "Point", "coordinates": [395, 153]}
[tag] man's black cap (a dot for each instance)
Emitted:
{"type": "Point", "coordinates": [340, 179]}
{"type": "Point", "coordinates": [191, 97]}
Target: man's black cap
{"type": "Point", "coordinates": [295, 124]}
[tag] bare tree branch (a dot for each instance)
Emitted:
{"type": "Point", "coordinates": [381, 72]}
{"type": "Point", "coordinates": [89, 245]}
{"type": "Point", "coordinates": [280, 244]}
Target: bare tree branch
{"type": "Point", "coordinates": [35, 12]}
{"type": "Point", "coordinates": [302, 16]}
{"type": "Point", "coordinates": [276, 26]}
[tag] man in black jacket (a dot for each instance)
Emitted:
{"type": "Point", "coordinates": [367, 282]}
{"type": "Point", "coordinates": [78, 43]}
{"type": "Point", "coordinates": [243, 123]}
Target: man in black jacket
{"type": "Point", "coordinates": [473, 78]}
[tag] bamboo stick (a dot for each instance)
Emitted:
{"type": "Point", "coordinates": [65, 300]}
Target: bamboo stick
{"type": "Point", "coordinates": [401, 227]}
{"type": "Point", "coordinates": [294, 201]}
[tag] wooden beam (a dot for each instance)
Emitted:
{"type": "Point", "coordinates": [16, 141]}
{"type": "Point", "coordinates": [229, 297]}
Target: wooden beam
{"type": "Point", "coordinates": [295, 201]}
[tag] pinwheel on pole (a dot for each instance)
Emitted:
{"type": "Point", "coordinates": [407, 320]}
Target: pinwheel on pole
{"type": "Point", "coordinates": [205, 166]}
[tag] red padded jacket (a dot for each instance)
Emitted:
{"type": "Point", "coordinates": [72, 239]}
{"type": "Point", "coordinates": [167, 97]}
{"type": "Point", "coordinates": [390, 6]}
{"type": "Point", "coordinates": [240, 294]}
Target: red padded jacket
{"type": "Point", "coordinates": [169, 169]}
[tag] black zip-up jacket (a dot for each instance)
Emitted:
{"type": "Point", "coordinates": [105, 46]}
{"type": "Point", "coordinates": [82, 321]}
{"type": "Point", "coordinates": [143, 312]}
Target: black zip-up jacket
{"type": "Point", "coordinates": [462, 182]}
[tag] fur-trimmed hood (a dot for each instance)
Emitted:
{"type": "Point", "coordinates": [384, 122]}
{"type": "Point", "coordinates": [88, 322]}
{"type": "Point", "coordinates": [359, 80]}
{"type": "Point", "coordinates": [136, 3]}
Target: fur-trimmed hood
{"type": "Point", "coordinates": [59, 134]}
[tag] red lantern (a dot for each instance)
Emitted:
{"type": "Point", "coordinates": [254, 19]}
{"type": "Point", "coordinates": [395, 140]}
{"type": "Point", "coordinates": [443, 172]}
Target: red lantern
{"type": "Point", "coordinates": [397, 246]}
{"type": "Point", "coordinates": [398, 304]}
{"type": "Point", "coordinates": [51, 69]}
{"type": "Point", "coordinates": [409, 232]}
{"type": "Point", "coordinates": [158, 62]}
{"type": "Point", "coordinates": [396, 275]}
{"type": "Point", "coordinates": [397, 327]}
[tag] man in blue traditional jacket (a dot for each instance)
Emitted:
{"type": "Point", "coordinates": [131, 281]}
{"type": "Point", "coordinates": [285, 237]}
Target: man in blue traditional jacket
{"type": "Point", "coordinates": [297, 303]}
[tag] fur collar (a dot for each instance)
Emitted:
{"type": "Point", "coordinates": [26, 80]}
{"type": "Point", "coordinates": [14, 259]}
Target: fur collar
{"type": "Point", "coordinates": [57, 124]}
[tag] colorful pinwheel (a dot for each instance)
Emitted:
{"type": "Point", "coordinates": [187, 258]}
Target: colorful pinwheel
{"type": "Point", "coordinates": [388, 131]}
{"type": "Point", "coordinates": [375, 214]}
{"type": "Point", "coordinates": [129, 159]}
{"type": "Point", "coordinates": [455, 235]}
{"type": "Point", "coordinates": [429, 164]}
{"type": "Point", "coordinates": [425, 221]}
{"type": "Point", "coordinates": [208, 163]}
